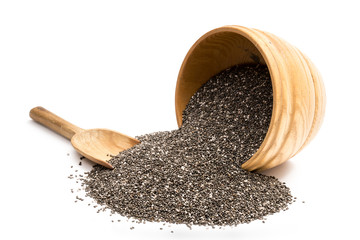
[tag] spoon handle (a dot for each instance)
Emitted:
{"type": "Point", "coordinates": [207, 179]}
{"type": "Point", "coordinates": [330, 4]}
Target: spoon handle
{"type": "Point", "coordinates": [54, 122]}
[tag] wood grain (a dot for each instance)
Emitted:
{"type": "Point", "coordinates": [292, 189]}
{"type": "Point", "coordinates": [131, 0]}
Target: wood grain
{"type": "Point", "coordinates": [54, 122]}
{"type": "Point", "coordinates": [298, 90]}
{"type": "Point", "coordinates": [96, 145]}
{"type": "Point", "coordinates": [99, 144]}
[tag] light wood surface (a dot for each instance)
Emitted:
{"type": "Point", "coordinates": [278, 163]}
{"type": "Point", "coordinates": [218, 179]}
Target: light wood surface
{"type": "Point", "coordinates": [298, 90]}
{"type": "Point", "coordinates": [54, 122]}
{"type": "Point", "coordinates": [96, 145]}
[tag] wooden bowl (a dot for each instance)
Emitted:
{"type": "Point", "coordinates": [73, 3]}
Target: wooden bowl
{"type": "Point", "coordinates": [298, 91]}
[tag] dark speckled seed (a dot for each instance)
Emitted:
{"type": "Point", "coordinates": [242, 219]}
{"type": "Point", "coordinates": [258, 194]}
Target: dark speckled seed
{"type": "Point", "coordinates": [193, 175]}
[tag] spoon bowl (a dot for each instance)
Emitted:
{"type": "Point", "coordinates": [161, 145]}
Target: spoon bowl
{"type": "Point", "coordinates": [97, 145]}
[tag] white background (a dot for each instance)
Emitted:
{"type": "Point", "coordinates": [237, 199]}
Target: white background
{"type": "Point", "coordinates": [114, 64]}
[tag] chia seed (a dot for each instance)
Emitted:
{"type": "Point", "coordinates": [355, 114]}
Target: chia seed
{"type": "Point", "coordinates": [193, 175]}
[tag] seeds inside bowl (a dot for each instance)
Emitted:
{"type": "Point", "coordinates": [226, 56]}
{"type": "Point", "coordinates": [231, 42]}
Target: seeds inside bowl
{"type": "Point", "coordinates": [193, 175]}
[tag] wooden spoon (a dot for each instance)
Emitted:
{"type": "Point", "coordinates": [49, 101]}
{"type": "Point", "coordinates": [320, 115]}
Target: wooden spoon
{"type": "Point", "coordinates": [95, 144]}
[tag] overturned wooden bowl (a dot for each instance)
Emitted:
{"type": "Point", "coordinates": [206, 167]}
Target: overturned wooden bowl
{"type": "Point", "coordinates": [298, 91]}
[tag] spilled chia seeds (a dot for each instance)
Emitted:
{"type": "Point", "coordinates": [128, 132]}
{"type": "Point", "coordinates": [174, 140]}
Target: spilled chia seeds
{"type": "Point", "coordinates": [193, 175]}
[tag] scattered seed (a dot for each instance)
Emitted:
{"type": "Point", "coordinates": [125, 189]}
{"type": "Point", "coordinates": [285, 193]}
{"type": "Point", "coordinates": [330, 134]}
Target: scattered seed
{"type": "Point", "coordinates": [193, 175]}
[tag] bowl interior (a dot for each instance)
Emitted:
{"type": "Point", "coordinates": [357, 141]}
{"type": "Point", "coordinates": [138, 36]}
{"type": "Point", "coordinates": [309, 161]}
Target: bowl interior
{"type": "Point", "coordinates": [211, 54]}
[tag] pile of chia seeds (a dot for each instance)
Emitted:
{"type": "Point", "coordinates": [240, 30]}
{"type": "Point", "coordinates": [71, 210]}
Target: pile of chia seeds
{"type": "Point", "coordinates": [193, 175]}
